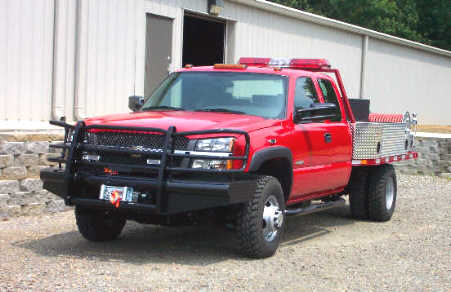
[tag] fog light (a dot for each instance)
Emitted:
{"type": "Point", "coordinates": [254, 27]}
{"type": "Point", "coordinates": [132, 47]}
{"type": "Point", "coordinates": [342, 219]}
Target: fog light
{"type": "Point", "coordinates": [211, 164]}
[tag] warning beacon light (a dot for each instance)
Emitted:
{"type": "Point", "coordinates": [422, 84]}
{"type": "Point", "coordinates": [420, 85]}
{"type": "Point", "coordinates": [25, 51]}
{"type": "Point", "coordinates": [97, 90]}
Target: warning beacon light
{"type": "Point", "coordinates": [304, 64]}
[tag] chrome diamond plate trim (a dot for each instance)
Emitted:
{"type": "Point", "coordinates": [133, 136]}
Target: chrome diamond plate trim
{"type": "Point", "coordinates": [377, 140]}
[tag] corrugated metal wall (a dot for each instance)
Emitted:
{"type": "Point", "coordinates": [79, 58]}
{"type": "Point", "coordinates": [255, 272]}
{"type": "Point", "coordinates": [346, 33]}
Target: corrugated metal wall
{"type": "Point", "coordinates": [95, 51]}
{"type": "Point", "coordinates": [26, 53]}
{"type": "Point", "coordinates": [106, 64]}
{"type": "Point", "coordinates": [64, 59]}
{"type": "Point", "coordinates": [400, 79]}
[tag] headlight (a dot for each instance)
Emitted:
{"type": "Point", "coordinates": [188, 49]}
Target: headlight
{"type": "Point", "coordinates": [223, 145]}
{"type": "Point", "coordinates": [215, 144]}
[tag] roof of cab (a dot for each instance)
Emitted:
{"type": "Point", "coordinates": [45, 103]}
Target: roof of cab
{"type": "Point", "coordinates": [260, 70]}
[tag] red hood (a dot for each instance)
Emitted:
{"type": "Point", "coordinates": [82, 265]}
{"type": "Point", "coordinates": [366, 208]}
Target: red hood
{"type": "Point", "coordinates": [184, 120]}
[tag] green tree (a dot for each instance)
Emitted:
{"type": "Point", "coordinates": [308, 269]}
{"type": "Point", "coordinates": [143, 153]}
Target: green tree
{"type": "Point", "coordinates": [435, 22]}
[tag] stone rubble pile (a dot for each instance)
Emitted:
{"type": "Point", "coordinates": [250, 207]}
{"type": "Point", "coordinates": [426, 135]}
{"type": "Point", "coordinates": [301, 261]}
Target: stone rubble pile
{"type": "Point", "coordinates": [21, 190]}
{"type": "Point", "coordinates": [434, 157]}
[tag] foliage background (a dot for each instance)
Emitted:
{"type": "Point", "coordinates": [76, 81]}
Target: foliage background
{"type": "Point", "coordinates": [425, 21]}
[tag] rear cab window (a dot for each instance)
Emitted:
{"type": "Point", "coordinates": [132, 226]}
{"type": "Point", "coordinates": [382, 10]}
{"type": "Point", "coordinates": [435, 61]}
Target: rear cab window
{"type": "Point", "coordinates": [330, 95]}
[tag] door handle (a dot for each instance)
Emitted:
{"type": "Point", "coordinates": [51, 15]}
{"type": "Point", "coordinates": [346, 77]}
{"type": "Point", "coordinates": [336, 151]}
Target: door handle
{"type": "Point", "coordinates": [328, 137]}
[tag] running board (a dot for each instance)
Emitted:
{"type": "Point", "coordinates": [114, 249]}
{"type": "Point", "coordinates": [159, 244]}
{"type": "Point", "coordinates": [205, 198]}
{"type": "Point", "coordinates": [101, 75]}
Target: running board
{"type": "Point", "coordinates": [316, 207]}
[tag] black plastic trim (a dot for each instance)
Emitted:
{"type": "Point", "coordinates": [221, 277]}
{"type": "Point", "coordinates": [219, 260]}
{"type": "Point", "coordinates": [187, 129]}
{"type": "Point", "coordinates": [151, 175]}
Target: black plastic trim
{"type": "Point", "coordinates": [275, 152]}
{"type": "Point", "coordinates": [269, 153]}
{"type": "Point", "coordinates": [53, 181]}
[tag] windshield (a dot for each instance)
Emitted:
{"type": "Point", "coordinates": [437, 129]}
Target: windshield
{"type": "Point", "coordinates": [261, 95]}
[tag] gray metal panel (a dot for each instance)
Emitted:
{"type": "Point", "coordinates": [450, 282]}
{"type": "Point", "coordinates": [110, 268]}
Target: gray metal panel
{"type": "Point", "coordinates": [64, 59]}
{"type": "Point", "coordinates": [400, 78]}
{"type": "Point", "coordinates": [158, 51]}
{"type": "Point", "coordinates": [26, 53]}
{"type": "Point", "coordinates": [107, 53]}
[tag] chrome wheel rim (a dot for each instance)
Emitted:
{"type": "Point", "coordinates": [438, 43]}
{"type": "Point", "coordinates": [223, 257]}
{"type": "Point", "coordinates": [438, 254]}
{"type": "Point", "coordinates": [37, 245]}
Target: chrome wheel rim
{"type": "Point", "coordinates": [272, 218]}
{"type": "Point", "coordinates": [389, 193]}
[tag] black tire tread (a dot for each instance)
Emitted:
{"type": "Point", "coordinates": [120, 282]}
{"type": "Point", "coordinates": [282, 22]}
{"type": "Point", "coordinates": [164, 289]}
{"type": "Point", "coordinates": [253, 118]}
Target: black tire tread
{"type": "Point", "coordinates": [248, 222]}
{"type": "Point", "coordinates": [91, 225]}
{"type": "Point", "coordinates": [358, 193]}
{"type": "Point", "coordinates": [376, 195]}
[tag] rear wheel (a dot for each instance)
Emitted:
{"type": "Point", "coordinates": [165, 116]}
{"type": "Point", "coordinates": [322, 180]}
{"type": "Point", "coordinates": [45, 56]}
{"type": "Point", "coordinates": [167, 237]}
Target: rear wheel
{"type": "Point", "coordinates": [358, 193]}
{"type": "Point", "coordinates": [382, 193]}
{"type": "Point", "coordinates": [261, 221]}
{"type": "Point", "coordinates": [97, 225]}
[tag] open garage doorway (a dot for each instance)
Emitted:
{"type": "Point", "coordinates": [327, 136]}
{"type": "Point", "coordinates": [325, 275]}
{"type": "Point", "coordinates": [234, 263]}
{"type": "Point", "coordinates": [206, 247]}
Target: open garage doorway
{"type": "Point", "coordinates": [203, 40]}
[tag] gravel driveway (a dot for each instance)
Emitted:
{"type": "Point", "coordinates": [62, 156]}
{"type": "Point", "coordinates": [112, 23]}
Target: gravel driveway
{"type": "Point", "coordinates": [322, 252]}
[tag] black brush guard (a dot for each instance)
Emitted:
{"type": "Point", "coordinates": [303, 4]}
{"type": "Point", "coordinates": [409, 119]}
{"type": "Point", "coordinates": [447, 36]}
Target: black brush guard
{"type": "Point", "coordinates": [171, 196]}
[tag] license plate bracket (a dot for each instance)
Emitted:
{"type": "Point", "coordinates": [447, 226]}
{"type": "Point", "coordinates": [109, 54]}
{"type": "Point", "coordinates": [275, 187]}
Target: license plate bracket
{"type": "Point", "coordinates": [125, 193]}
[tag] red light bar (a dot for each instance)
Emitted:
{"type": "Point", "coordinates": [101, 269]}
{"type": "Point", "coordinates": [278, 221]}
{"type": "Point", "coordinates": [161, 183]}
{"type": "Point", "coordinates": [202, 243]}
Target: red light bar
{"type": "Point", "coordinates": [306, 64]}
{"type": "Point", "coordinates": [255, 61]}
{"type": "Point", "coordinates": [313, 64]}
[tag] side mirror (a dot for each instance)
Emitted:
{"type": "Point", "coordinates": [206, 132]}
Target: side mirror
{"type": "Point", "coordinates": [318, 112]}
{"type": "Point", "coordinates": [135, 102]}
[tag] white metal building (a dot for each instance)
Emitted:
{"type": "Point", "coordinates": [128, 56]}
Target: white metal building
{"type": "Point", "coordinates": [79, 58]}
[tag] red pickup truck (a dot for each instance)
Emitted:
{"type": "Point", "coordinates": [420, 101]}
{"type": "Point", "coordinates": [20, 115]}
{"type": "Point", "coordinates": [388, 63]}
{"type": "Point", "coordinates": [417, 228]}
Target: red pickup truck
{"type": "Point", "coordinates": [247, 143]}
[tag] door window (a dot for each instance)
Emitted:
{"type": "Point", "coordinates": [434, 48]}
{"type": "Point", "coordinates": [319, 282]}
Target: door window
{"type": "Point", "coordinates": [330, 96]}
{"type": "Point", "coordinates": [305, 94]}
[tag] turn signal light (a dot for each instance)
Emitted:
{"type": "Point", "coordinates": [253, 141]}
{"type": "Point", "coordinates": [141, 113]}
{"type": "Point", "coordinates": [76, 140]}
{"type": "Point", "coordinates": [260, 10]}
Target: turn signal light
{"type": "Point", "coordinates": [230, 66]}
{"type": "Point", "coordinates": [110, 171]}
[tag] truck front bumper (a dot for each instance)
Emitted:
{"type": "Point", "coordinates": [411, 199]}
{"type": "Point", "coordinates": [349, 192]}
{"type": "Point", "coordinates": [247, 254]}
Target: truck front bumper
{"type": "Point", "coordinates": [179, 195]}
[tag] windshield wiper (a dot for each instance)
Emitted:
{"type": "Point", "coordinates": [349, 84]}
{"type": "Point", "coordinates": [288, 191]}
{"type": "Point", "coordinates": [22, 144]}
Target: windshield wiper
{"type": "Point", "coordinates": [163, 107]}
{"type": "Point", "coordinates": [219, 110]}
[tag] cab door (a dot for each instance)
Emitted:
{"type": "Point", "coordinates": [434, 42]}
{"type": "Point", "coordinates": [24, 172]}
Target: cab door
{"type": "Point", "coordinates": [306, 151]}
{"type": "Point", "coordinates": [336, 159]}
{"type": "Point", "coordinates": [328, 142]}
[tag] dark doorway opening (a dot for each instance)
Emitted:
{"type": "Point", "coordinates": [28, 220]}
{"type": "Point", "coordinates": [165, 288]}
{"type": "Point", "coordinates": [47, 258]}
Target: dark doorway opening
{"type": "Point", "coordinates": [203, 41]}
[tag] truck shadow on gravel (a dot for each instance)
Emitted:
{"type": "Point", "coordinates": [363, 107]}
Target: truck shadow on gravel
{"type": "Point", "coordinates": [194, 245]}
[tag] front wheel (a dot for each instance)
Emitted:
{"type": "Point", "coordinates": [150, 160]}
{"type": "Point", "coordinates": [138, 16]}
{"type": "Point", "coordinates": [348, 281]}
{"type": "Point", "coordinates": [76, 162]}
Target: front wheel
{"type": "Point", "coordinates": [97, 225]}
{"type": "Point", "coordinates": [261, 221]}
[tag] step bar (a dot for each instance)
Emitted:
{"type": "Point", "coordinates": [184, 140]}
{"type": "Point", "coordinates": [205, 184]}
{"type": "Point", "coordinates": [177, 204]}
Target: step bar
{"type": "Point", "coordinates": [316, 207]}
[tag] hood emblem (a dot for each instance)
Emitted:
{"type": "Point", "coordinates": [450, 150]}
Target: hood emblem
{"type": "Point", "coordinates": [145, 149]}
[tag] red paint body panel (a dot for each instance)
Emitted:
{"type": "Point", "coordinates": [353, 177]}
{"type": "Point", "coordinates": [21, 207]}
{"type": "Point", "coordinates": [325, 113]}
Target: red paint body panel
{"type": "Point", "coordinates": [320, 168]}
